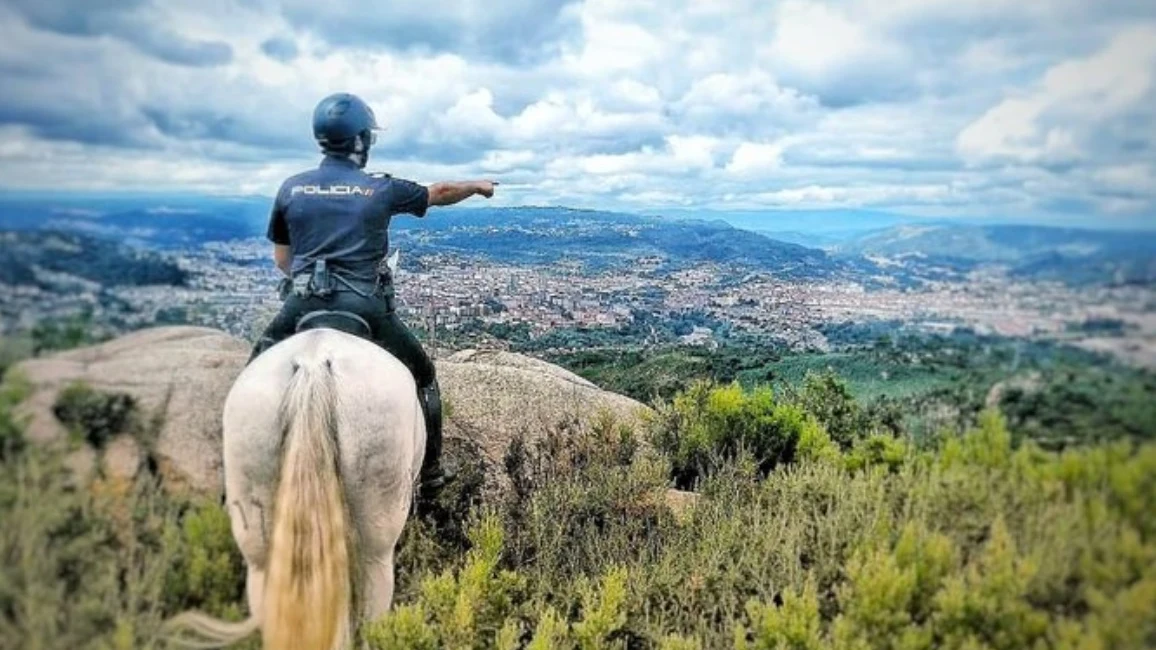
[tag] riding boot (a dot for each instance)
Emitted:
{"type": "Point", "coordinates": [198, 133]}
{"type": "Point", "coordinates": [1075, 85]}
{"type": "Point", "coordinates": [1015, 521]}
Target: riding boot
{"type": "Point", "coordinates": [433, 475]}
{"type": "Point", "coordinates": [264, 343]}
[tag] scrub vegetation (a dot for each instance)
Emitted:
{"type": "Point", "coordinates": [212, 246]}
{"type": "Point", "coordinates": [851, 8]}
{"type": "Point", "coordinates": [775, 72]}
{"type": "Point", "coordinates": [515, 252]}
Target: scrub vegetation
{"type": "Point", "coordinates": [815, 523]}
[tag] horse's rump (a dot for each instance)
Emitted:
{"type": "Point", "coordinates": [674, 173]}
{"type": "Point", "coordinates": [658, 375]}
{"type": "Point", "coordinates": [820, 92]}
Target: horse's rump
{"type": "Point", "coordinates": [322, 438]}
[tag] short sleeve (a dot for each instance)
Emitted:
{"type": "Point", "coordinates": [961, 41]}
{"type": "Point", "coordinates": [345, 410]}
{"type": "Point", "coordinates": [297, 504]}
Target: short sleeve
{"type": "Point", "coordinates": [278, 231]}
{"type": "Point", "coordinates": [408, 197]}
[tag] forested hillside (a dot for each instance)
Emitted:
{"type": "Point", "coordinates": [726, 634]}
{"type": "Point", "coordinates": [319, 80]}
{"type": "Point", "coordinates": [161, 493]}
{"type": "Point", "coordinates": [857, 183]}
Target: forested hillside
{"type": "Point", "coordinates": [46, 258]}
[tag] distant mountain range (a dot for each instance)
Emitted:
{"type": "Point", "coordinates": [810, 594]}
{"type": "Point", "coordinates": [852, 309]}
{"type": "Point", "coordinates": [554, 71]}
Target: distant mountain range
{"type": "Point", "coordinates": [604, 240]}
{"type": "Point", "coordinates": [543, 235]}
{"type": "Point", "coordinates": [854, 243]}
{"type": "Point", "coordinates": [813, 228]}
{"type": "Point", "coordinates": [1073, 255]}
{"type": "Point", "coordinates": [157, 221]}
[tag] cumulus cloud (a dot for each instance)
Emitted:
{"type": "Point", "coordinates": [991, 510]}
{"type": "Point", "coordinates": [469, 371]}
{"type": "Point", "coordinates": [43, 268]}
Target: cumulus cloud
{"type": "Point", "coordinates": [137, 22]}
{"type": "Point", "coordinates": [827, 50]}
{"type": "Point", "coordinates": [756, 158]}
{"type": "Point", "coordinates": [990, 108]}
{"type": "Point", "coordinates": [512, 31]}
{"type": "Point", "coordinates": [1059, 118]}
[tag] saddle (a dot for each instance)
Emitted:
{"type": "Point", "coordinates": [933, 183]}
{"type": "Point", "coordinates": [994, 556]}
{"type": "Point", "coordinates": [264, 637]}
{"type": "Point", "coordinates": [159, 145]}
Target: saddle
{"type": "Point", "coordinates": [343, 321]}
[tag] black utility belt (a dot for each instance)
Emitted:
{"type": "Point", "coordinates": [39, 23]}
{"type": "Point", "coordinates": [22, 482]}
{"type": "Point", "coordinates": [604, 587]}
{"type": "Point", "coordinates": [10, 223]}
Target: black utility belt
{"type": "Point", "coordinates": [321, 282]}
{"type": "Point", "coordinates": [289, 287]}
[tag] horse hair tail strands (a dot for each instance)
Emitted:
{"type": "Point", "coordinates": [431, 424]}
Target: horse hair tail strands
{"type": "Point", "coordinates": [310, 590]}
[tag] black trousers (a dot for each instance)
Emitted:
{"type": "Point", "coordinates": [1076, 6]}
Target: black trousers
{"type": "Point", "coordinates": [388, 331]}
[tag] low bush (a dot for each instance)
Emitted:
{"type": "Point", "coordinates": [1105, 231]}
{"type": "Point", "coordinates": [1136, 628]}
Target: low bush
{"type": "Point", "coordinates": [84, 569]}
{"type": "Point", "coordinates": [972, 545]}
{"type": "Point", "coordinates": [92, 415]}
{"type": "Point", "coordinates": [14, 388]}
{"type": "Point", "coordinates": [709, 425]}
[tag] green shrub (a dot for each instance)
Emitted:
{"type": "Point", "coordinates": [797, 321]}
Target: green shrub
{"type": "Point", "coordinates": [207, 570]}
{"type": "Point", "coordinates": [972, 544]}
{"type": "Point", "coordinates": [482, 606]}
{"type": "Point", "coordinates": [877, 449]}
{"type": "Point", "coordinates": [828, 399]}
{"type": "Point", "coordinates": [94, 416]}
{"type": "Point", "coordinates": [1025, 580]}
{"type": "Point", "coordinates": [709, 425]}
{"type": "Point", "coordinates": [82, 569]}
{"type": "Point", "coordinates": [580, 502]}
{"type": "Point", "coordinates": [85, 568]}
{"type": "Point", "coordinates": [13, 389]}
{"type": "Point", "coordinates": [65, 334]}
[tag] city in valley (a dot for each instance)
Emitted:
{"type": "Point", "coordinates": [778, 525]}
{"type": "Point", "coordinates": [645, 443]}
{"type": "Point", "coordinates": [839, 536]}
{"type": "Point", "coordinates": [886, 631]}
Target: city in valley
{"type": "Point", "coordinates": [232, 286]}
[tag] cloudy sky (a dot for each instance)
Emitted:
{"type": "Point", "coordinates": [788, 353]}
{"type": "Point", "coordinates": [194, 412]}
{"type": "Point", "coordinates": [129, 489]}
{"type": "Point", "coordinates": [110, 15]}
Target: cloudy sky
{"type": "Point", "coordinates": [1041, 109]}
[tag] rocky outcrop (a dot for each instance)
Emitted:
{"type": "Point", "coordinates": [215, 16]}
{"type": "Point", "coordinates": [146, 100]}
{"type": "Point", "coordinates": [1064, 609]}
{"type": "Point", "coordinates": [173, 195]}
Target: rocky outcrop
{"type": "Point", "coordinates": [493, 397]}
{"type": "Point", "coordinates": [180, 377]}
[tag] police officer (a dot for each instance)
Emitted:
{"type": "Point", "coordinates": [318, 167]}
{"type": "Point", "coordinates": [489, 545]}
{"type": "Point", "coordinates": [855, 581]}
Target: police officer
{"type": "Point", "coordinates": [335, 219]}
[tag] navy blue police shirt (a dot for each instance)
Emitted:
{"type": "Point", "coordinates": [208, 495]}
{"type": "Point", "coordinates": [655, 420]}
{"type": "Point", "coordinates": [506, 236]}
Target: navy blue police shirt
{"type": "Point", "coordinates": [340, 213]}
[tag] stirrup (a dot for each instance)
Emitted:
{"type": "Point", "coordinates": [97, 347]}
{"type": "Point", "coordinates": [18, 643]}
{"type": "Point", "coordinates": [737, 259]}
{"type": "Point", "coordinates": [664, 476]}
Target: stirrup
{"type": "Point", "coordinates": [434, 481]}
{"type": "Point", "coordinates": [425, 498]}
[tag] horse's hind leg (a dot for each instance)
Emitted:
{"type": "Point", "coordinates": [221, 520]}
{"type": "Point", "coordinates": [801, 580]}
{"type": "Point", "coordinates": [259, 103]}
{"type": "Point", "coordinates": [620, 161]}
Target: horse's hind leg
{"type": "Point", "coordinates": [251, 439]}
{"type": "Point", "coordinates": [379, 587]}
{"type": "Point", "coordinates": [380, 535]}
{"type": "Point", "coordinates": [255, 588]}
{"type": "Point", "coordinates": [249, 532]}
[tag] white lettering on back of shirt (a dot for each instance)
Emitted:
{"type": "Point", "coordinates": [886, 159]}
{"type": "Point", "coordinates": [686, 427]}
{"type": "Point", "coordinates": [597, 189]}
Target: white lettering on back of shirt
{"type": "Point", "coordinates": [332, 190]}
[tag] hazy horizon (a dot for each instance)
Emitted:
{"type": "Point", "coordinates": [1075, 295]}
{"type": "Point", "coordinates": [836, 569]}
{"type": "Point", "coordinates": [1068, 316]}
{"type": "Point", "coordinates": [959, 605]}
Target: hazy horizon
{"type": "Point", "coordinates": [771, 220]}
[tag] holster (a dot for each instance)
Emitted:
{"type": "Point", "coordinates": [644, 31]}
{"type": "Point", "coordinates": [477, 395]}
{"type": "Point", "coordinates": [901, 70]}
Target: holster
{"type": "Point", "coordinates": [319, 282]}
{"type": "Point", "coordinates": [284, 288]}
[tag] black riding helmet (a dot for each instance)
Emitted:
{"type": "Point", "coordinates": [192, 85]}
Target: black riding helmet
{"type": "Point", "coordinates": [343, 124]}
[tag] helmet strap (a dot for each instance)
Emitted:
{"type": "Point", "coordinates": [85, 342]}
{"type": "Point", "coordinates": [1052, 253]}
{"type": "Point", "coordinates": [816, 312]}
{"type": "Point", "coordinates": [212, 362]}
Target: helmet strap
{"type": "Point", "coordinates": [360, 154]}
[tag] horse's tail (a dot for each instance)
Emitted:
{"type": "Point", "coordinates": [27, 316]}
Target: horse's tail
{"type": "Point", "coordinates": [309, 590]}
{"type": "Point", "coordinates": [309, 594]}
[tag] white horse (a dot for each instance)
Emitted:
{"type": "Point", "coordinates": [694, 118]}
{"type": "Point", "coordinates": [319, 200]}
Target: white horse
{"type": "Point", "coordinates": [323, 442]}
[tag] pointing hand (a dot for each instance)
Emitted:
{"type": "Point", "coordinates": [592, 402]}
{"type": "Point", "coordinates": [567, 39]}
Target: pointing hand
{"type": "Point", "coordinates": [486, 188]}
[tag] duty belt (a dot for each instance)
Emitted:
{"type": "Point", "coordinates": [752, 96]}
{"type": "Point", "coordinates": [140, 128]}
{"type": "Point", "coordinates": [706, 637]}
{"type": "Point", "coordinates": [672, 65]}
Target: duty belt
{"type": "Point", "coordinates": [322, 283]}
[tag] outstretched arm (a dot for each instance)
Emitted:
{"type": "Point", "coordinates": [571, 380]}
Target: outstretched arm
{"type": "Point", "coordinates": [451, 192]}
